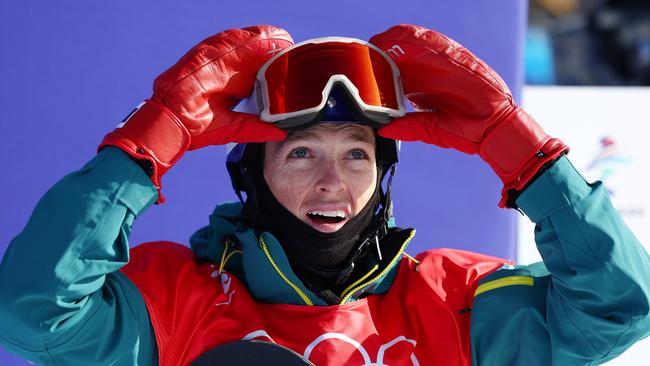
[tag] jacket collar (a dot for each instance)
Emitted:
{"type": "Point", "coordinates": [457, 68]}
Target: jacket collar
{"type": "Point", "coordinates": [261, 264]}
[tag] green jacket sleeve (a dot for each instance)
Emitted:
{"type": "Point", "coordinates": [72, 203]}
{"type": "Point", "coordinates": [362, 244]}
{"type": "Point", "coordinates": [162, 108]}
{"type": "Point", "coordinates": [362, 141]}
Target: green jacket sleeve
{"type": "Point", "coordinates": [586, 303]}
{"type": "Point", "coordinates": [62, 299]}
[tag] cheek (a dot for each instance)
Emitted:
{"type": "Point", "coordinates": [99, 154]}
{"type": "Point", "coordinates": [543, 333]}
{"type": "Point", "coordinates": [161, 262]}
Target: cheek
{"type": "Point", "coordinates": [289, 187]}
{"type": "Point", "coordinates": [362, 186]}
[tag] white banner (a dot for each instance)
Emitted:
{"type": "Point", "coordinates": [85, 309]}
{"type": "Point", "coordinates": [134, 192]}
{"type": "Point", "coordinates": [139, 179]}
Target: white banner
{"type": "Point", "coordinates": [608, 130]}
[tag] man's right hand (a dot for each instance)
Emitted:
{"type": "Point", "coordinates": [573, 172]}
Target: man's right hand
{"type": "Point", "coordinates": [191, 103]}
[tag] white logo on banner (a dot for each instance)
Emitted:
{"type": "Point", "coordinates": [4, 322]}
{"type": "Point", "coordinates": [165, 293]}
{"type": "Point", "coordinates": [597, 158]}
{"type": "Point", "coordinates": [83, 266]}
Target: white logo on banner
{"type": "Point", "coordinates": [607, 129]}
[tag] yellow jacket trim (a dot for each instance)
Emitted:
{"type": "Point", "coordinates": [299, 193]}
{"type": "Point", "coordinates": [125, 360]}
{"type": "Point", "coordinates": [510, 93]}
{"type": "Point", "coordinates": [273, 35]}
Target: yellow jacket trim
{"type": "Point", "coordinates": [300, 293]}
{"type": "Point", "coordinates": [230, 255]}
{"type": "Point", "coordinates": [362, 278]}
{"type": "Point", "coordinates": [502, 282]}
{"type": "Point", "coordinates": [388, 268]}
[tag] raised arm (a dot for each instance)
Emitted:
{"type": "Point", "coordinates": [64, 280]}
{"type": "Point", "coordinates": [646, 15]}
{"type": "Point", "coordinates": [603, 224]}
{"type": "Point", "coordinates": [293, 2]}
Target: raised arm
{"type": "Point", "coordinates": [589, 300]}
{"type": "Point", "coordinates": [62, 299]}
{"type": "Point", "coordinates": [594, 302]}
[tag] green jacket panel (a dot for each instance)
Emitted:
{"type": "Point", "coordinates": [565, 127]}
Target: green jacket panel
{"type": "Point", "coordinates": [588, 301]}
{"type": "Point", "coordinates": [63, 301]}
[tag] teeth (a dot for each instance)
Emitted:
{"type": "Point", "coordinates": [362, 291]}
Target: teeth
{"type": "Point", "coordinates": [339, 213]}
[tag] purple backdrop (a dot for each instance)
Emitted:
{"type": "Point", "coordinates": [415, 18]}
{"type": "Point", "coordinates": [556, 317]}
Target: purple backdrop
{"type": "Point", "coordinates": [71, 69]}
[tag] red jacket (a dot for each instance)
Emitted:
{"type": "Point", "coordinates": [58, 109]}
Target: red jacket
{"type": "Point", "coordinates": [198, 309]}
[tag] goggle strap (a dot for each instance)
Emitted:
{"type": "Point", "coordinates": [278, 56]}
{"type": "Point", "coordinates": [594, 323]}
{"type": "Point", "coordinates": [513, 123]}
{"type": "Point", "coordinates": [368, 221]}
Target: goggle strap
{"type": "Point", "coordinates": [388, 211]}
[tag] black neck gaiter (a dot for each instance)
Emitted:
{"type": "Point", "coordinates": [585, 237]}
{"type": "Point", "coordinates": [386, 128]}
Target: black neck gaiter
{"type": "Point", "coordinates": [310, 251]}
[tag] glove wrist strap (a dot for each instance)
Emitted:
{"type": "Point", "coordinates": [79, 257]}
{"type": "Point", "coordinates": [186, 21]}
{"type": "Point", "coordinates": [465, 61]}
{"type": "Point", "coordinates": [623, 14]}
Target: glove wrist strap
{"type": "Point", "coordinates": [152, 133]}
{"type": "Point", "coordinates": [517, 148]}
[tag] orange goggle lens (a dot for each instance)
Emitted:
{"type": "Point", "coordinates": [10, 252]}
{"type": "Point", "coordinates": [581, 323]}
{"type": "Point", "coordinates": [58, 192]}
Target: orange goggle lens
{"type": "Point", "coordinates": [295, 80]}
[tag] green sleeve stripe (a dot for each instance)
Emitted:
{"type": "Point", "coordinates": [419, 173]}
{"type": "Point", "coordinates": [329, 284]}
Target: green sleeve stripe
{"type": "Point", "coordinates": [502, 282]}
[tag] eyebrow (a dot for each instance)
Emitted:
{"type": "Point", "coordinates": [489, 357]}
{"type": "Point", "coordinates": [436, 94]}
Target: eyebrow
{"type": "Point", "coordinates": [301, 135]}
{"type": "Point", "coordinates": [355, 136]}
{"type": "Point", "coordinates": [358, 136]}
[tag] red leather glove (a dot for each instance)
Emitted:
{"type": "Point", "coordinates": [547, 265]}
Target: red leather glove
{"type": "Point", "coordinates": [466, 106]}
{"type": "Point", "coordinates": [191, 103]}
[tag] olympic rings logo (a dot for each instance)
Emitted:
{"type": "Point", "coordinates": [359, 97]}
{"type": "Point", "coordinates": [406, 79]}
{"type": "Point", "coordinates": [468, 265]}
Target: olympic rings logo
{"type": "Point", "coordinates": [309, 350]}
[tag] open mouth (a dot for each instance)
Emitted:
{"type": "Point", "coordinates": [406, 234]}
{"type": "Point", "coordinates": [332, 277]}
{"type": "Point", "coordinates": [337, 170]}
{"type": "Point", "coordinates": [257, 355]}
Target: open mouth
{"type": "Point", "coordinates": [327, 217]}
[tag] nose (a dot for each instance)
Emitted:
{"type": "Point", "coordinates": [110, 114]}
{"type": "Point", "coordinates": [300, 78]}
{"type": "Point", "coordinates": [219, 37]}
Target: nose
{"type": "Point", "coordinates": [330, 178]}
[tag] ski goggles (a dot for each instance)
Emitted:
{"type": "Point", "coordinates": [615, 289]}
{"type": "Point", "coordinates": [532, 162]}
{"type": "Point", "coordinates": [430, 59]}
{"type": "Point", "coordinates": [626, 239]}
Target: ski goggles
{"type": "Point", "coordinates": [293, 87]}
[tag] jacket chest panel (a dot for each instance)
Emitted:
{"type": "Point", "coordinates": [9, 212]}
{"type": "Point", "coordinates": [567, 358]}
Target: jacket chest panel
{"type": "Point", "coordinates": [378, 330]}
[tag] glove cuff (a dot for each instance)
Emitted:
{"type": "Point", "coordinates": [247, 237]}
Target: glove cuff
{"type": "Point", "coordinates": [517, 149]}
{"type": "Point", "coordinates": [152, 133]}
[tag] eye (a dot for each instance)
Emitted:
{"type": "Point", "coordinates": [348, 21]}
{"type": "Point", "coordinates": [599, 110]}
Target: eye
{"type": "Point", "coordinates": [358, 154]}
{"type": "Point", "coordinates": [299, 153]}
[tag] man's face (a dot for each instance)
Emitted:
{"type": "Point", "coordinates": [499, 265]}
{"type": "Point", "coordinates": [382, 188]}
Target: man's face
{"type": "Point", "coordinates": [324, 174]}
